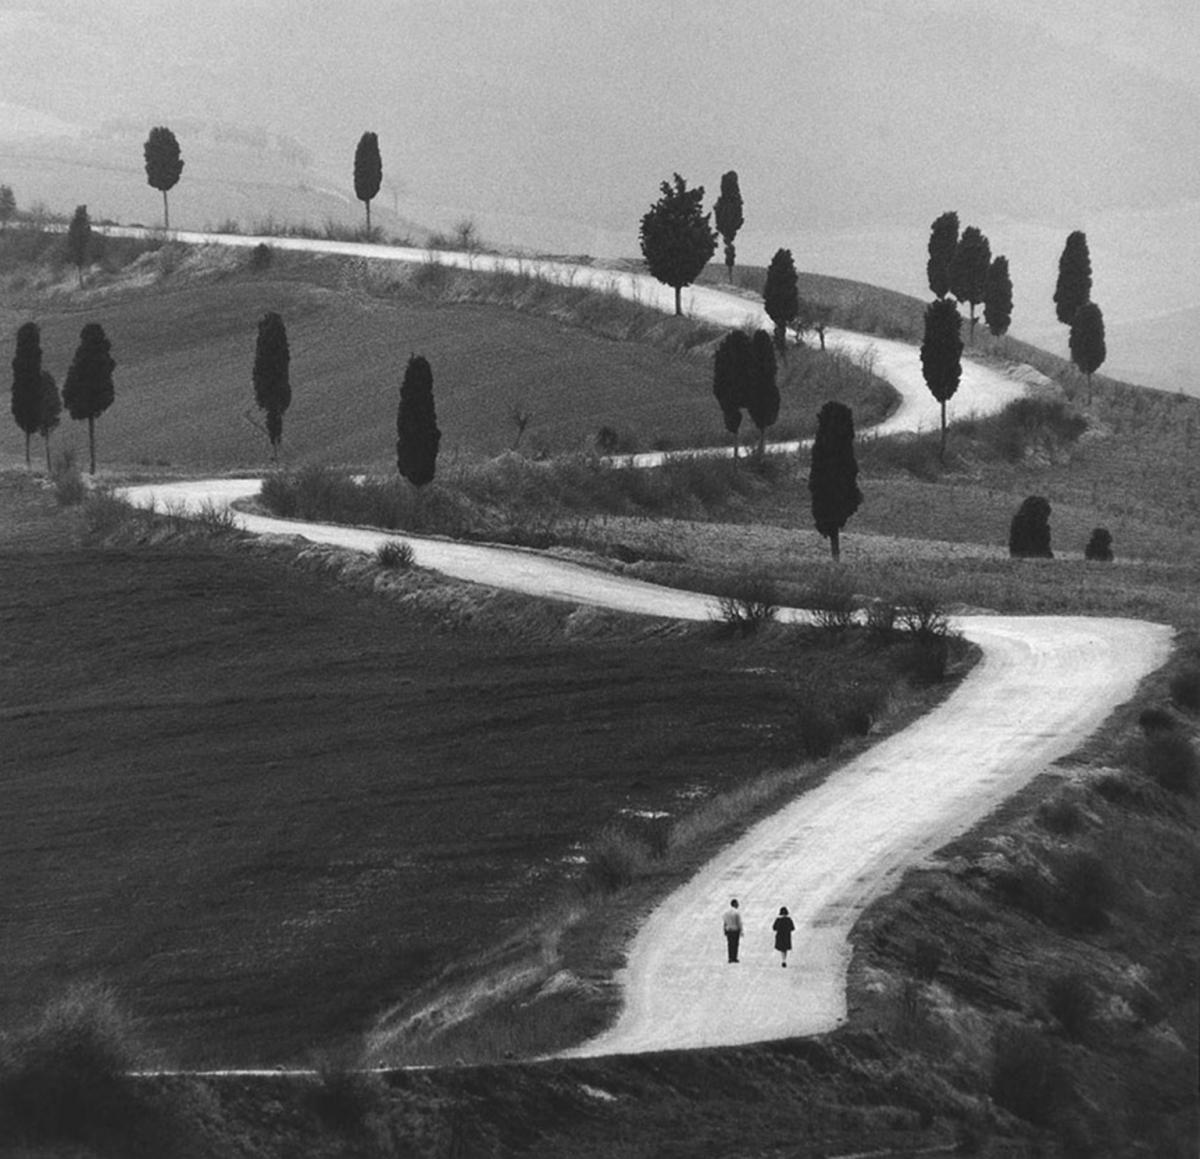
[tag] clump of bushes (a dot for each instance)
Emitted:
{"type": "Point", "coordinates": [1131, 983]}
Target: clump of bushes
{"type": "Point", "coordinates": [1031, 424]}
{"type": "Point", "coordinates": [1027, 1077]}
{"type": "Point", "coordinates": [1029, 532]}
{"type": "Point", "coordinates": [1169, 759]}
{"type": "Point", "coordinates": [394, 555]}
{"type": "Point", "coordinates": [1185, 689]}
{"type": "Point", "coordinates": [1071, 1002]}
{"type": "Point", "coordinates": [69, 487]}
{"type": "Point", "coordinates": [1099, 546]}
{"type": "Point", "coordinates": [831, 599]}
{"type": "Point", "coordinates": [614, 860]}
{"type": "Point", "coordinates": [751, 603]}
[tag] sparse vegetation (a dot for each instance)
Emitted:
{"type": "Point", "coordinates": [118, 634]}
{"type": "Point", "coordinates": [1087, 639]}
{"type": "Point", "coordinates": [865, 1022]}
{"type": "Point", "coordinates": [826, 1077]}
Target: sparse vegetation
{"type": "Point", "coordinates": [394, 555]}
{"type": "Point", "coordinates": [753, 602]}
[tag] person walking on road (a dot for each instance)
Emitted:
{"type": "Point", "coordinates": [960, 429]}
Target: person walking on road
{"type": "Point", "coordinates": [733, 929]}
{"type": "Point", "coordinates": [783, 926]}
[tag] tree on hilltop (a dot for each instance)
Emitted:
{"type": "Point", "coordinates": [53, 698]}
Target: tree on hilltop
{"type": "Point", "coordinates": [727, 210]}
{"type": "Point", "coordinates": [49, 411]}
{"type": "Point", "coordinates": [164, 164]}
{"type": "Point", "coordinates": [833, 474]}
{"type": "Point", "coordinates": [27, 381]}
{"type": "Point", "coordinates": [417, 434]}
{"type": "Point", "coordinates": [79, 239]}
{"type": "Point", "coordinates": [781, 298]}
{"type": "Point", "coordinates": [368, 171]}
{"type": "Point", "coordinates": [997, 298]}
{"type": "Point", "coordinates": [677, 240]}
{"type": "Point", "coordinates": [941, 354]}
{"type": "Point", "coordinates": [88, 388]}
{"type": "Point", "coordinates": [969, 269]}
{"type": "Point", "coordinates": [1088, 350]}
{"type": "Point", "coordinates": [1074, 286]}
{"type": "Point", "coordinates": [272, 385]}
{"type": "Point", "coordinates": [8, 205]}
{"type": "Point", "coordinates": [943, 241]}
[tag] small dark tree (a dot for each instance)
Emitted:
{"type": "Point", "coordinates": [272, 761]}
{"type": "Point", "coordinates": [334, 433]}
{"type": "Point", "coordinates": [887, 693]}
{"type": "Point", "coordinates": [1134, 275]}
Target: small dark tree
{"type": "Point", "coordinates": [943, 241]}
{"type": "Point", "coordinates": [27, 381]}
{"type": "Point", "coordinates": [88, 388]}
{"type": "Point", "coordinates": [833, 476]}
{"type": "Point", "coordinates": [781, 299]}
{"type": "Point", "coordinates": [1074, 286]}
{"type": "Point", "coordinates": [8, 206]}
{"type": "Point", "coordinates": [728, 214]}
{"type": "Point", "coordinates": [417, 434]}
{"type": "Point", "coordinates": [1099, 547]}
{"type": "Point", "coordinates": [163, 165]}
{"type": "Point", "coordinates": [814, 316]}
{"type": "Point", "coordinates": [79, 239]}
{"type": "Point", "coordinates": [49, 413]}
{"type": "Point", "coordinates": [272, 386]}
{"type": "Point", "coordinates": [969, 269]}
{"type": "Point", "coordinates": [998, 299]}
{"type": "Point", "coordinates": [941, 355]}
{"type": "Point", "coordinates": [731, 372]}
{"type": "Point", "coordinates": [677, 240]}
{"type": "Point", "coordinates": [1029, 532]}
{"type": "Point", "coordinates": [368, 171]}
{"type": "Point", "coordinates": [1088, 350]}
{"type": "Point", "coordinates": [762, 401]}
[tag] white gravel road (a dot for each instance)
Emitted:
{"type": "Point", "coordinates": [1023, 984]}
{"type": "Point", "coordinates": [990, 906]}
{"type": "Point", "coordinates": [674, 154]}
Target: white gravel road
{"type": "Point", "coordinates": [1043, 685]}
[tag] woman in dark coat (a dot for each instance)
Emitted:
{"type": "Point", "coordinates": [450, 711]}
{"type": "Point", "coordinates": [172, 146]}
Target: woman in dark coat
{"type": "Point", "coordinates": [783, 927]}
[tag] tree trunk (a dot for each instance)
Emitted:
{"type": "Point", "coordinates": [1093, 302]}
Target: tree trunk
{"type": "Point", "coordinates": [942, 452]}
{"type": "Point", "coordinates": [92, 443]}
{"type": "Point", "coordinates": [27, 463]}
{"type": "Point", "coordinates": [678, 301]}
{"type": "Point", "coordinates": [835, 546]}
{"type": "Point", "coordinates": [821, 335]}
{"type": "Point", "coordinates": [367, 203]}
{"type": "Point", "coordinates": [762, 442]}
{"type": "Point", "coordinates": [49, 467]}
{"type": "Point", "coordinates": [735, 447]}
{"type": "Point", "coordinates": [1089, 378]}
{"type": "Point", "coordinates": [166, 212]}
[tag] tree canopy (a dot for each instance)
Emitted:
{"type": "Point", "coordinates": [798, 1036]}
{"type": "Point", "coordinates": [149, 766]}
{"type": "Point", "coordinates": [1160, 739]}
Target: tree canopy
{"type": "Point", "coordinates": [368, 171]}
{"type": "Point", "coordinates": [417, 434]}
{"type": "Point", "coordinates": [998, 299]}
{"type": "Point", "coordinates": [969, 268]}
{"type": "Point", "coordinates": [88, 389]}
{"type": "Point", "coordinates": [943, 241]}
{"type": "Point", "coordinates": [941, 354]}
{"type": "Point", "coordinates": [727, 211]}
{"type": "Point", "coordinates": [676, 238]}
{"type": "Point", "coordinates": [164, 165]}
{"type": "Point", "coordinates": [781, 298]}
{"type": "Point", "coordinates": [27, 381]}
{"type": "Point", "coordinates": [833, 474]}
{"type": "Point", "coordinates": [272, 385]}
{"type": "Point", "coordinates": [1074, 286]}
{"type": "Point", "coordinates": [1088, 350]}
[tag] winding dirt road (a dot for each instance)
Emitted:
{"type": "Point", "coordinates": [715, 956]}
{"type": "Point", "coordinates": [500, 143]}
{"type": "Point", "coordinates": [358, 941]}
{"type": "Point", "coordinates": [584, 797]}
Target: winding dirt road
{"type": "Point", "coordinates": [1043, 685]}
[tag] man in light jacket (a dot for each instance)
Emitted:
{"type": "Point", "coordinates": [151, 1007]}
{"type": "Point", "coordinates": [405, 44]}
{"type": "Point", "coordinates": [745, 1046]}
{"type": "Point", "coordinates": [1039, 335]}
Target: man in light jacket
{"type": "Point", "coordinates": [733, 929]}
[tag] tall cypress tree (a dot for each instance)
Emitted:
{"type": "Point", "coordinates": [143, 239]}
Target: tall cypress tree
{"type": "Point", "coordinates": [731, 370]}
{"type": "Point", "coordinates": [781, 298]}
{"type": "Point", "coordinates": [762, 402]}
{"type": "Point", "coordinates": [417, 434]}
{"type": "Point", "coordinates": [49, 412]}
{"type": "Point", "coordinates": [727, 211]}
{"type": "Point", "coordinates": [27, 381]}
{"type": "Point", "coordinates": [1074, 286]}
{"type": "Point", "coordinates": [368, 171]}
{"type": "Point", "coordinates": [941, 354]}
{"type": "Point", "coordinates": [164, 165]}
{"type": "Point", "coordinates": [969, 269]}
{"type": "Point", "coordinates": [998, 299]}
{"type": "Point", "coordinates": [1088, 350]}
{"type": "Point", "coordinates": [272, 384]}
{"type": "Point", "coordinates": [79, 239]}
{"type": "Point", "coordinates": [88, 388]}
{"type": "Point", "coordinates": [676, 237]}
{"type": "Point", "coordinates": [833, 475]}
{"type": "Point", "coordinates": [943, 241]}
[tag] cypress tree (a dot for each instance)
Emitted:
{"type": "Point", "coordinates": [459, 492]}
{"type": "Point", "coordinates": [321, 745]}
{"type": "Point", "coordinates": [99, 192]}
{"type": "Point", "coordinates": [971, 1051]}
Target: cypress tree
{"type": "Point", "coordinates": [731, 370]}
{"type": "Point", "coordinates": [833, 475]}
{"type": "Point", "coordinates": [1088, 350]}
{"type": "Point", "coordinates": [676, 237]}
{"type": "Point", "coordinates": [762, 402]}
{"type": "Point", "coordinates": [272, 385]}
{"type": "Point", "coordinates": [727, 211]}
{"type": "Point", "coordinates": [941, 354]}
{"type": "Point", "coordinates": [417, 434]}
{"type": "Point", "coordinates": [969, 269]}
{"type": "Point", "coordinates": [49, 412]}
{"type": "Point", "coordinates": [88, 388]}
{"type": "Point", "coordinates": [8, 206]}
{"type": "Point", "coordinates": [368, 171]}
{"type": "Point", "coordinates": [781, 298]}
{"type": "Point", "coordinates": [27, 381]}
{"type": "Point", "coordinates": [943, 241]}
{"type": "Point", "coordinates": [1074, 286]}
{"type": "Point", "coordinates": [164, 164]}
{"type": "Point", "coordinates": [998, 300]}
{"type": "Point", "coordinates": [79, 239]}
